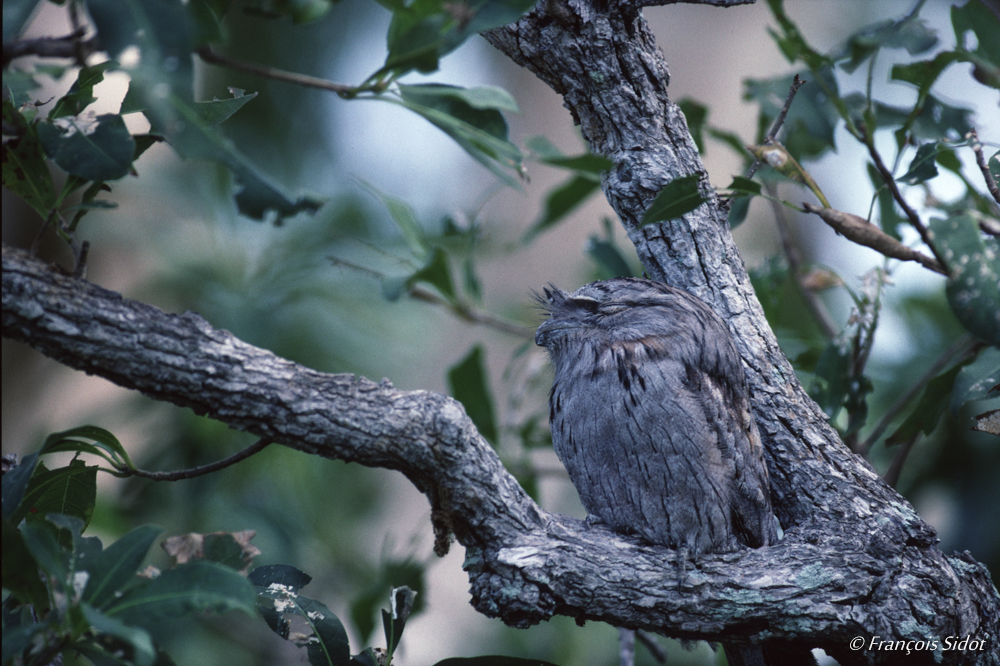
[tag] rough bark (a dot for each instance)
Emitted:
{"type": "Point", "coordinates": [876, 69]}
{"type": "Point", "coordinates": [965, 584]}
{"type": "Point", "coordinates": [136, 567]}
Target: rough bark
{"type": "Point", "coordinates": [824, 584]}
{"type": "Point", "coordinates": [856, 560]}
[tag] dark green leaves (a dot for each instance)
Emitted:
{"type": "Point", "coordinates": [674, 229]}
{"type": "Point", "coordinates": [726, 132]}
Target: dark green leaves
{"type": "Point", "coordinates": [469, 385]}
{"type": "Point", "coordinates": [472, 118]}
{"type": "Point", "coordinates": [25, 172]}
{"type": "Point", "coordinates": [977, 18]}
{"type": "Point", "coordinates": [679, 196]}
{"type": "Point", "coordinates": [423, 31]}
{"type": "Point", "coordinates": [81, 93]}
{"type": "Point", "coordinates": [922, 167]}
{"type": "Point", "coordinates": [99, 152]}
{"type": "Point", "coordinates": [813, 117]}
{"type": "Point", "coordinates": [974, 287]}
{"type": "Point", "coordinates": [566, 198]}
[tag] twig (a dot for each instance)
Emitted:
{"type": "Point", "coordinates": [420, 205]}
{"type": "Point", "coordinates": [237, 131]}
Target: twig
{"type": "Point", "coordinates": [462, 310]}
{"type": "Point", "coordinates": [863, 232]}
{"type": "Point", "coordinates": [891, 475]}
{"type": "Point", "coordinates": [69, 46]}
{"type": "Point", "coordinates": [816, 306]}
{"type": "Point", "coordinates": [963, 347]}
{"type": "Point", "coordinates": [80, 270]}
{"type": "Point", "coordinates": [910, 213]}
{"type": "Point", "coordinates": [257, 447]}
{"type": "Point", "coordinates": [209, 55]}
{"type": "Point", "coordinates": [797, 83]}
{"type": "Point", "coordinates": [977, 148]}
{"type": "Point", "coordinates": [655, 649]}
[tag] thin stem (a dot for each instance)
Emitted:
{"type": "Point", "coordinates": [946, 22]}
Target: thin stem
{"type": "Point", "coordinates": [462, 310]}
{"type": "Point", "coordinates": [797, 83]}
{"type": "Point", "coordinates": [962, 348]}
{"type": "Point", "coordinates": [257, 447]}
{"type": "Point", "coordinates": [794, 257]}
{"type": "Point", "coordinates": [890, 182]}
{"type": "Point", "coordinates": [891, 475]}
{"type": "Point", "coordinates": [209, 55]}
{"type": "Point", "coordinates": [977, 148]}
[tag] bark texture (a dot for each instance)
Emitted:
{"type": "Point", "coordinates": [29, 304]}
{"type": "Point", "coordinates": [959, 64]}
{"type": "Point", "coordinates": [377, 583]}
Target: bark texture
{"type": "Point", "coordinates": [855, 561]}
{"type": "Point", "coordinates": [823, 584]}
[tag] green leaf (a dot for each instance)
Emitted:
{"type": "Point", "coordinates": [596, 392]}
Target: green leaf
{"type": "Point", "coordinates": [20, 570]}
{"type": "Point", "coordinates": [562, 201]}
{"type": "Point", "coordinates": [812, 119]}
{"type": "Point", "coordinates": [975, 16]}
{"type": "Point", "coordinates": [743, 190]}
{"type": "Point", "coordinates": [586, 164]}
{"type": "Point", "coordinates": [394, 620]}
{"type": "Point", "coordinates": [480, 131]}
{"type": "Point", "coordinates": [51, 557]}
{"type": "Point", "coordinates": [328, 643]}
{"type": "Point", "coordinates": [301, 11]}
{"type": "Point", "coordinates": [738, 211]}
{"type": "Point", "coordinates": [100, 152]}
{"type": "Point", "coordinates": [978, 380]}
{"type": "Point", "coordinates": [436, 273]}
{"type": "Point", "coordinates": [608, 257]}
{"type": "Point", "coordinates": [924, 73]}
{"type": "Point", "coordinates": [332, 647]}
{"type": "Point", "coordinates": [679, 196]}
{"type": "Point", "coordinates": [218, 110]}
{"type": "Point", "coordinates": [74, 441]}
{"type": "Point", "coordinates": [117, 565]}
{"type": "Point", "coordinates": [423, 31]}
{"type": "Point", "coordinates": [832, 381]}
{"type": "Point", "coordinates": [922, 168]}
{"type": "Point", "coordinates": [744, 186]}
{"type": "Point", "coordinates": [279, 574]}
{"type": "Point", "coordinates": [492, 660]}
{"type": "Point", "coordinates": [15, 484]}
{"type": "Point", "coordinates": [15, 17]}
{"type": "Point", "coordinates": [406, 220]}
{"type": "Point", "coordinates": [81, 93]}
{"type": "Point", "coordinates": [391, 573]}
{"type": "Point", "coordinates": [973, 289]}
{"type": "Point", "coordinates": [927, 411]}
{"type": "Point", "coordinates": [190, 589]}
{"type": "Point", "coordinates": [468, 383]}
{"type": "Point", "coordinates": [70, 490]}
{"type": "Point", "coordinates": [696, 115]}
{"type": "Point", "coordinates": [25, 172]}
{"type": "Point", "coordinates": [791, 41]}
{"type": "Point", "coordinates": [994, 166]}
{"type": "Point", "coordinates": [193, 138]}
{"type": "Point", "coordinates": [889, 218]}
{"type": "Point", "coordinates": [910, 33]}
{"type": "Point", "coordinates": [143, 650]}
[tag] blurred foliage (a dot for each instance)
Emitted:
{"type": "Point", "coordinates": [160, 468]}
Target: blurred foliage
{"type": "Point", "coordinates": [304, 290]}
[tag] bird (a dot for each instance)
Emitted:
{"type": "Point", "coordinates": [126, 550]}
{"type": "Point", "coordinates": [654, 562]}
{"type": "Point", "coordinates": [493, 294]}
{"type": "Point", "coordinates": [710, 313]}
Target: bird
{"type": "Point", "coordinates": [651, 416]}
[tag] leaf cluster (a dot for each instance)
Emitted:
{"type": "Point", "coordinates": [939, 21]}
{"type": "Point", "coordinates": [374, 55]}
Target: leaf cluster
{"type": "Point", "coordinates": [68, 596]}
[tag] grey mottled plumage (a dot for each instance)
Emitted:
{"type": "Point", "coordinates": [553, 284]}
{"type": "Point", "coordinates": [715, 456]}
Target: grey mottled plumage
{"type": "Point", "coordinates": [650, 415]}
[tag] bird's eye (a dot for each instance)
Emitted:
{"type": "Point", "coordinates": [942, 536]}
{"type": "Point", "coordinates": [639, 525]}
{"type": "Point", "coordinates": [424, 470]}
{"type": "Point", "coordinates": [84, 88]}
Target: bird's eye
{"type": "Point", "coordinates": [585, 303]}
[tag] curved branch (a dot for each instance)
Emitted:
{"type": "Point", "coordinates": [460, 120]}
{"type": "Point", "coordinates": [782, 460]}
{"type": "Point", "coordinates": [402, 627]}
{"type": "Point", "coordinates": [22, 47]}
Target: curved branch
{"type": "Point", "coordinates": [823, 584]}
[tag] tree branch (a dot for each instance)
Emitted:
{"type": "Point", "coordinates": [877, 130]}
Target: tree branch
{"type": "Point", "coordinates": [825, 583]}
{"type": "Point", "coordinates": [863, 232]}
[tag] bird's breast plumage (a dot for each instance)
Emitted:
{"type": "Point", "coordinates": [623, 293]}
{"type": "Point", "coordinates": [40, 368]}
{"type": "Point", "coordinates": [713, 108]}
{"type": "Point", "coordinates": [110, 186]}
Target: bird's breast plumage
{"type": "Point", "coordinates": [650, 415]}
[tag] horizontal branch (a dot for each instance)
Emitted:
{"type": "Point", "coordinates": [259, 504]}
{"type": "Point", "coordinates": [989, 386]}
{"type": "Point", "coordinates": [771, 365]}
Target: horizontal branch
{"type": "Point", "coordinates": [823, 584]}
